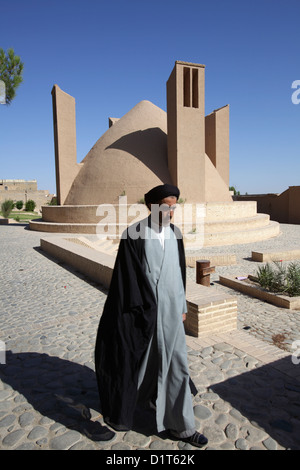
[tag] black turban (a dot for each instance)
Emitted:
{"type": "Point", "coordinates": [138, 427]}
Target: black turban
{"type": "Point", "coordinates": [158, 193]}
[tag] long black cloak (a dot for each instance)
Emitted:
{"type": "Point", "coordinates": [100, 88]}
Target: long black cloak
{"type": "Point", "coordinates": [125, 329]}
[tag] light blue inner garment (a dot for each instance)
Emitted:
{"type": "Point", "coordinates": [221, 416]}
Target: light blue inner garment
{"type": "Point", "coordinates": [165, 368]}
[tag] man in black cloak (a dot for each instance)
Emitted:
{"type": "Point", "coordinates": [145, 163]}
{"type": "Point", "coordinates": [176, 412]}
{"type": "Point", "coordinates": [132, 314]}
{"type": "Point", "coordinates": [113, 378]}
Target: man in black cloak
{"type": "Point", "coordinates": [140, 351]}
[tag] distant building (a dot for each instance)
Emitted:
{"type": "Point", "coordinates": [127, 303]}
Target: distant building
{"type": "Point", "coordinates": [18, 185]}
{"type": "Point", "coordinates": [22, 190]}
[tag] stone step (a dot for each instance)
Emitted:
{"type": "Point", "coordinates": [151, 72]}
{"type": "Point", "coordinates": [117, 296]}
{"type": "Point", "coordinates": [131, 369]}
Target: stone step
{"type": "Point", "coordinates": [259, 220]}
{"type": "Point", "coordinates": [235, 234]}
{"type": "Point", "coordinates": [109, 213]}
{"type": "Point", "coordinates": [197, 241]}
{"type": "Point", "coordinates": [55, 227]}
{"type": "Point", "coordinates": [243, 236]}
{"type": "Point", "coordinates": [103, 245]}
{"type": "Point", "coordinates": [229, 225]}
{"type": "Point", "coordinates": [229, 210]}
{"type": "Point", "coordinates": [127, 213]}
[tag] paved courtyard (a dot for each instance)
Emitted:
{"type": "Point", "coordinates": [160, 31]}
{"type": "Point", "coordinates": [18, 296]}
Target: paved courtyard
{"type": "Point", "coordinates": [248, 387]}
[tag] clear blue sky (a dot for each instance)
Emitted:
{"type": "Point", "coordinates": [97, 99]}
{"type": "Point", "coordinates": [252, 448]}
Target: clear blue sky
{"type": "Point", "coordinates": [111, 55]}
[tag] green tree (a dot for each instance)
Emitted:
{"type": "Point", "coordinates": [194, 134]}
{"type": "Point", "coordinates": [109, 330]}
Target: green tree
{"type": "Point", "coordinates": [30, 205]}
{"type": "Point", "coordinates": [19, 205]}
{"type": "Point", "coordinates": [11, 70]}
{"type": "Point", "coordinates": [235, 192]}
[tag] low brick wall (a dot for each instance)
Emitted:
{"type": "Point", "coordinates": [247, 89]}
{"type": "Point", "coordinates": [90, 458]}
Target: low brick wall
{"type": "Point", "coordinates": [283, 301]}
{"type": "Point", "coordinates": [209, 311]}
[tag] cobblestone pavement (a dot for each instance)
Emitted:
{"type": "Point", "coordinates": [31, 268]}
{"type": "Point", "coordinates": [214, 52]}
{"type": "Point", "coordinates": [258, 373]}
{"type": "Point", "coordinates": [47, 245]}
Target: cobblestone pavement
{"type": "Point", "coordinates": [248, 388]}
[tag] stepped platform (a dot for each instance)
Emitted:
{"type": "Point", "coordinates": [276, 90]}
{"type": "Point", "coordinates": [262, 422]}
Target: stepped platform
{"type": "Point", "coordinates": [210, 224]}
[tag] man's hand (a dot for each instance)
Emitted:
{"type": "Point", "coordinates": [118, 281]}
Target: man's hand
{"type": "Point", "coordinates": [183, 316]}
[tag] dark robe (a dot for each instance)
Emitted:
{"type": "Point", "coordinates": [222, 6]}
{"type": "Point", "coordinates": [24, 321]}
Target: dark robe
{"type": "Point", "coordinates": [125, 330]}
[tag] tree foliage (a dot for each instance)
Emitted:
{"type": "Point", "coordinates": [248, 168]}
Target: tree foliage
{"type": "Point", "coordinates": [30, 205]}
{"type": "Point", "coordinates": [19, 205]}
{"type": "Point", "coordinates": [235, 192]}
{"type": "Point", "coordinates": [6, 207]}
{"type": "Point", "coordinates": [11, 70]}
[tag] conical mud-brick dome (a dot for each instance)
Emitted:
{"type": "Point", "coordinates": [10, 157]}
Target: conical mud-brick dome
{"type": "Point", "coordinates": [130, 158]}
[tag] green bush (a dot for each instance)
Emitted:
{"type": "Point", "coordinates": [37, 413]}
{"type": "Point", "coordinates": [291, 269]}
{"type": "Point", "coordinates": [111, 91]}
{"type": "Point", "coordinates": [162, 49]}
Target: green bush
{"type": "Point", "coordinates": [19, 205]}
{"type": "Point", "coordinates": [265, 276]}
{"type": "Point", "coordinates": [293, 279]}
{"type": "Point", "coordinates": [281, 279]}
{"type": "Point", "coordinates": [6, 207]}
{"type": "Point", "coordinates": [30, 205]}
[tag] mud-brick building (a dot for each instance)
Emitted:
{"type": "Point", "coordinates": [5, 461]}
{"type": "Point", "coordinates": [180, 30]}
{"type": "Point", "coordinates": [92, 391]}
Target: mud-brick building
{"type": "Point", "coordinates": [22, 190]}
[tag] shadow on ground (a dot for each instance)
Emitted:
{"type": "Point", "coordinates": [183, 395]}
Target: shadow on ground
{"type": "Point", "coordinates": [64, 391]}
{"type": "Point", "coordinates": [269, 399]}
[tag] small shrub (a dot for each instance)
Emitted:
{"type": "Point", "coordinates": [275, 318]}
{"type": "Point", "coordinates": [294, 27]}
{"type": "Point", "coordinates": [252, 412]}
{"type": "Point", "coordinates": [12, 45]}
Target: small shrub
{"type": "Point", "coordinates": [265, 276]}
{"type": "Point", "coordinates": [19, 205]}
{"type": "Point", "coordinates": [285, 280]}
{"type": "Point", "coordinates": [279, 281]}
{"type": "Point", "coordinates": [6, 207]}
{"type": "Point", "coordinates": [293, 279]}
{"type": "Point", "coordinates": [30, 205]}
